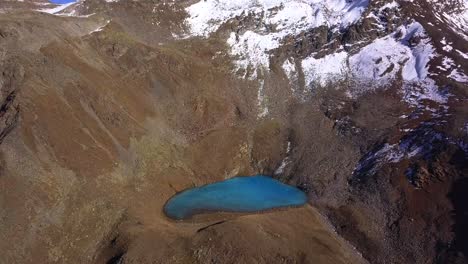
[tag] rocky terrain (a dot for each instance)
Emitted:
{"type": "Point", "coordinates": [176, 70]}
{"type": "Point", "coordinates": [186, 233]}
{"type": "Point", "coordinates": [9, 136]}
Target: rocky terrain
{"type": "Point", "coordinates": [110, 107]}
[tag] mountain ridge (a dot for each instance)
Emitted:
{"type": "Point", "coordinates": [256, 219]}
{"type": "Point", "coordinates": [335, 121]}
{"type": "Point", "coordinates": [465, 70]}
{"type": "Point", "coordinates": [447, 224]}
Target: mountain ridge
{"type": "Point", "coordinates": [108, 108]}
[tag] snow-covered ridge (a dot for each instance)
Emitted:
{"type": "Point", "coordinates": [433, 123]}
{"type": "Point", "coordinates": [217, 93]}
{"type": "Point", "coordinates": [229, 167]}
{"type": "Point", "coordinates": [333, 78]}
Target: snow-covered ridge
{"type": "Point", "coordinates": [279, 18]}
{"type": "Point", "coordinates": [404, 54]}
{"type": "Point", "coordinates": [381, 60]}
{"type": "Point", "coordinates": [205, 17]}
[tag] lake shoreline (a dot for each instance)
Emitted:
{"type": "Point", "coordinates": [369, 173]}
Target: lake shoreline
{"type": "Point", "coordinates": [237, 195]}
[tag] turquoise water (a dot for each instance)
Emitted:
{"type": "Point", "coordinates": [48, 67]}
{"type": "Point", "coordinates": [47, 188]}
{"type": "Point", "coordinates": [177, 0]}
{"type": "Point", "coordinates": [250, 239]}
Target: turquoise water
{"type": "Point", "coordinates": [239, 194]}
{"type": "Point", "coordinates": [62, 1]}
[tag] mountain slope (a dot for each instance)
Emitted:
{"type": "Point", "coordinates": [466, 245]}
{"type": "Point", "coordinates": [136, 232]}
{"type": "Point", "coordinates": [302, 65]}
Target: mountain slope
{"type": "Point", "coordinates": [111, 107]}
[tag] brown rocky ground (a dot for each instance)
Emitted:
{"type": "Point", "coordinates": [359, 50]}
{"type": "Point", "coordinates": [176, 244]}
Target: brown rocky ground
{"type": "Point", "coordinates": [99, 129]}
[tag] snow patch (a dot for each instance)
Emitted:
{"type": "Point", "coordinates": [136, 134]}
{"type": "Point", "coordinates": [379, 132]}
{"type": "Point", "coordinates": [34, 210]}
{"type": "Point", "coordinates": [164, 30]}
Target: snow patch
{"type": "Point", "coordinates": [251, 49]}
{"type": "Point", "coordinates": [464, 55]}
{"type": "Point", "coordinates": [415, 93]}
{"type": "Point", "coordinates": [261, 101]}
{"type": "Point", "coordinates": [285, 161]}
{"type": "Point", "coordinates": [391, 5]}
{"type": "Point", "coordinates": [458, 76]}
{"type": "Point", "coordinates": [379, 60]}
{"type": "Point", "coordinates": [289, 68]}
{"type": "Point", "coordinates": [324, 70]}
{"type": "Point", "coordinates": [100, 28]}
{"type": "Point", "coordinates": [447, 63]}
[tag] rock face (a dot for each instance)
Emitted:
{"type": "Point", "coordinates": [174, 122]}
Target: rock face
{"type": "Point", "coordinates": [108, 108]}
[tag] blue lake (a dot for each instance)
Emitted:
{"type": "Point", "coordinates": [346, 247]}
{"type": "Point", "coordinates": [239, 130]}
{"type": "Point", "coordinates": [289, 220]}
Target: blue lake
{"type": "Point", "coordinates": [239, 194]}
{"type": "Point", "coordinates": [62, 1]}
